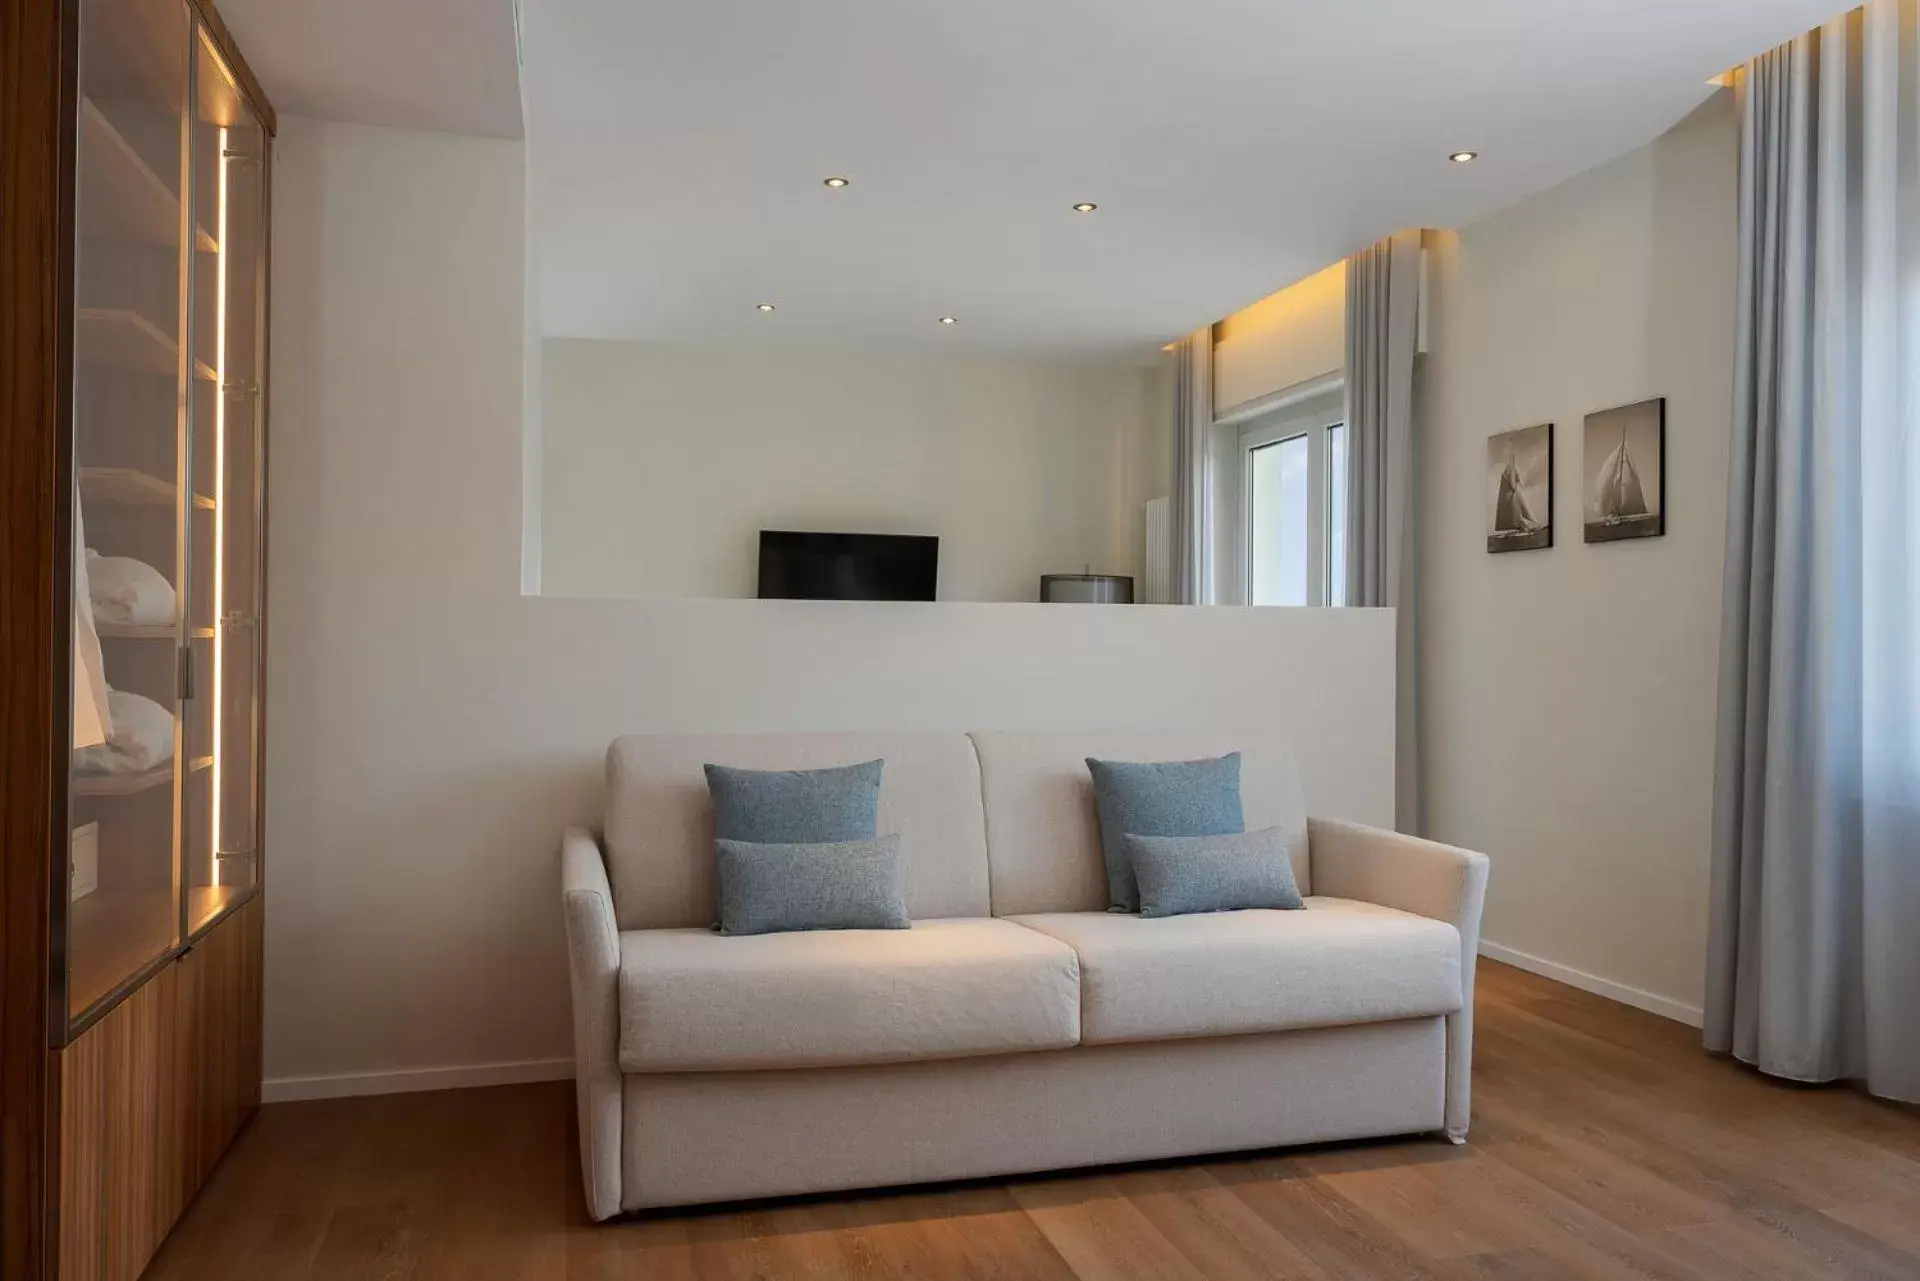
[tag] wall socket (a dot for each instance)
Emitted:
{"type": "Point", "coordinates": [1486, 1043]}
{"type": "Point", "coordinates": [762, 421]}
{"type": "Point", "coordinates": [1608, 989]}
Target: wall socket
{"type": "Point", "coordinates": [83, 865]}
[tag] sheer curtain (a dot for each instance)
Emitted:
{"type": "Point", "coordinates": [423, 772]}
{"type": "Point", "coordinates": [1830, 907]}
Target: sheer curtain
{"type": "Point", "coordinates": [1814, 961]}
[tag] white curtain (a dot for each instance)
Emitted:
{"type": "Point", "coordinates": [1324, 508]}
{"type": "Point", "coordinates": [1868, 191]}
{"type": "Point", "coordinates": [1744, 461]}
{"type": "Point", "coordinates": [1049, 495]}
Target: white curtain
{"type": "Point", "coordinates": [1383, 323]}
{"type": "Point", "coordinates": [1192, 516]}
{"type": "Point", "coordinates": [1814, 964]}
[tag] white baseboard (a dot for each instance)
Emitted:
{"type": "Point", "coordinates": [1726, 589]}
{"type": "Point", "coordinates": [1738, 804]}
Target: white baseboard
{"type": "Point", "coordinates": [1639, 998]}
{"type": "Point", "coordinates": [287, 1089]}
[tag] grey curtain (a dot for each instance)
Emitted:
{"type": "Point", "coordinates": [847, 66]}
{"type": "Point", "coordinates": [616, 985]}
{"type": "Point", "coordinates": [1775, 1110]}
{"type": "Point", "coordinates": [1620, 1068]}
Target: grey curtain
{"type": "Point", "coordinates": [1191, 514]}
{"type": "Point", "coordinates": [1193, 475]}
{"type": "Point", "coordinates": [1814, 959]}
{"type": "Point", "coordinates": [1383, 319]}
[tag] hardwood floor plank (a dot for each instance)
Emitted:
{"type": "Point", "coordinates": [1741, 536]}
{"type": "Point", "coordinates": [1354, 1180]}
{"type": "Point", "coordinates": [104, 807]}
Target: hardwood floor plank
{"type": "Point", "coordinates": [1895, 1222]}
{"type": "Point", "coordinates": [1216, 1231]}
{"type": "Point", "coordinates": [1606, 1144]}
{"type": "Point", "coordinates": [1101, 1234]}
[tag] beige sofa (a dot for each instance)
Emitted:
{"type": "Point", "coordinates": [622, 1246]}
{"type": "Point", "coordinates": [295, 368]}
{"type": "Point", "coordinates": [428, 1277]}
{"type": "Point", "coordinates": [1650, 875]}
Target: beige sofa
{"type": "Point", "coordinates": [1017, 1026]}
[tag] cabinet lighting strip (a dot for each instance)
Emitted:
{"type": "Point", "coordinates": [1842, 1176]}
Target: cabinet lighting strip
{"type": "Point", "coordinates": [219, 503]}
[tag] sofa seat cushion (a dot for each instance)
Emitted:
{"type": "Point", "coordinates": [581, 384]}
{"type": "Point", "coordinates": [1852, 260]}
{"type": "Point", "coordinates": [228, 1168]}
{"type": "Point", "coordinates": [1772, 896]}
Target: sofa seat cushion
{"type": "Point", "coordinates": [695, 1001]}
{"type": "Point", "coordinates": [1222, 973]}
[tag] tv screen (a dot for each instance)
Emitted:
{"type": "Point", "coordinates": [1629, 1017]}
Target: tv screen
{"type": "Point", "coordinates": [799, 566]}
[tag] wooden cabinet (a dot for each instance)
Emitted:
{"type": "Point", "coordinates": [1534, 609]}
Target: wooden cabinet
{"type": "Point", "coordinates": [152, 1094]}
{"type": "Point", "coordinates": [133, 432]}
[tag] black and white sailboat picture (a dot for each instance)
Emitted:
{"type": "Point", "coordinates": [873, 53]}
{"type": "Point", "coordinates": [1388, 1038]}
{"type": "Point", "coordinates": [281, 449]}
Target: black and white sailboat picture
{"type": "Point", "coordinates": [1520, 488]}
{"type": "Point", "coordinates": [1625, 456]}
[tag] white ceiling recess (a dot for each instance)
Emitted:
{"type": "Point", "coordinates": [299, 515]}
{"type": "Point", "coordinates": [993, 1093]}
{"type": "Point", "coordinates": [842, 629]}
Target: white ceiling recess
{"type": "Point", "coordinates": [677, 147]}
{"type": "Point", "coordinates": [1232, 146]}
{"type": "Point", "coordinates": [445, 65]}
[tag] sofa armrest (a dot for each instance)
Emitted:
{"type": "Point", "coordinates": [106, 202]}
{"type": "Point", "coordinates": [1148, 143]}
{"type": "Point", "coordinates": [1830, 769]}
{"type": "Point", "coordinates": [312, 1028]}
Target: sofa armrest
{"type": "Point", "coordinates": [593, 955]}
{"type": "Point", "coordinates": [1350, 860]}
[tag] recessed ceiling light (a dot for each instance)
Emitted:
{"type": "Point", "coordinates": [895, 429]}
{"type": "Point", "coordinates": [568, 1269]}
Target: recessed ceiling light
{"type": "Point", "coordinates": [948, 320]}
{"type": "Point", "coordinates": [1085, 206]}
{"type": "Point", "coordinates": [765, 306]}
{"type": "Point", "coordinates": [837, 182]}
{"type": "Point", "coordinates": [1464, 157]}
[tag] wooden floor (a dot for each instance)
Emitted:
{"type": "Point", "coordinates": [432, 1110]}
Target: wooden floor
{"type": "Point", "coordinates": [1605, 1144]}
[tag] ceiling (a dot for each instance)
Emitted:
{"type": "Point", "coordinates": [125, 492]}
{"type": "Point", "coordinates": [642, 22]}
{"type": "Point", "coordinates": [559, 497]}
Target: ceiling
{"type": "Point", "coordinates": [447, 65]}
{"type": "Point", "coordinates": [676, 150]}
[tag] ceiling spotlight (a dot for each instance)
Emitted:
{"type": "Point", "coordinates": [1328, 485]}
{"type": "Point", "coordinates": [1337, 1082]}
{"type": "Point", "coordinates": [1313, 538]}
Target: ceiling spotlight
{"type": "Point", "coordinates": [948, 320]}
{"type": "Point", "coordinates": [836, 183]}
{"type": "Point", "coordinates": [765, 306]}
{"type": "Point", "coordinates": [1464, 157]}
{"type": "Point", "coordinates": [1085, 206]}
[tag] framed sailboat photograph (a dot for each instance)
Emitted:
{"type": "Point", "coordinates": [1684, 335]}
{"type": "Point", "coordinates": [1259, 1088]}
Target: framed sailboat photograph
{"type": "Point", "coordinates": [1625, 473]}
{"type": "Point", "coordinates": [1520, 489]}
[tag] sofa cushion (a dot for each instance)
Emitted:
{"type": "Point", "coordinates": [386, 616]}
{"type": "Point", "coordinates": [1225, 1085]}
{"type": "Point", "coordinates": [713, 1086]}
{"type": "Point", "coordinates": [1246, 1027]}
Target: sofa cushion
{"type": "Point", "coordinates": [659, 834]}
{"type": "Point", "coordinates": [795, 806]}
{"type": "Point", "coordinates": [1339, 961]}
{"type": "Point", "coordinates": [695, 1001]}
{"type": "Point", "coordinates": [1160, 798]}
{"type": "Point", "coordinates": [1179, 875]}
{"type": "Point", "coordinates": [838, 885]}
{"type": "Point", "coordinates": [1043, 830]}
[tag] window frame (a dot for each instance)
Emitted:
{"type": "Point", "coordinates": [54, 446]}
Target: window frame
{"type": "Point", "coordinates": [1314, 419]}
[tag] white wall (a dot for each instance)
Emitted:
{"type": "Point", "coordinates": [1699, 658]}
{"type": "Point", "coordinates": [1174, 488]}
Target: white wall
{"type": "Point", "coordinates": [1569, 694]}
{"type": "Point", "coordinates": [432, 730]}
{"type": "Point", "coordinates": [663, 462]}
{"type": "Point", "coordinates": [1287, 338]}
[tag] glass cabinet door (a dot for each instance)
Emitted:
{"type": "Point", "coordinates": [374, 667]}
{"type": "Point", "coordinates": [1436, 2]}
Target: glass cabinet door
{"type": "Point", "coordinates": [228, 166]}
{"type": "Point", "coordinates": [133, 502]}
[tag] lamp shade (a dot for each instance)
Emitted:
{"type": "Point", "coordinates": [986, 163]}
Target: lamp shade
{"type": "Point", "coordinates": [1086, 589]}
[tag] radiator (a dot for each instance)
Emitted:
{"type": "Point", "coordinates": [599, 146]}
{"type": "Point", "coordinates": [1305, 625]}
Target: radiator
{"type": "Point", "coordinates": [1159, 559]}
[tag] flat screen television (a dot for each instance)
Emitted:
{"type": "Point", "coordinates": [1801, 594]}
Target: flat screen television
{"type": "Point", "coordinates": [801, 566]}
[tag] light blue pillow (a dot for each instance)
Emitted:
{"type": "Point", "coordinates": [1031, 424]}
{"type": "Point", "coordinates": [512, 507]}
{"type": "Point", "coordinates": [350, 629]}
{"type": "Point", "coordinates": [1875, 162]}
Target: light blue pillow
{"type": "Point", "coordinates": [795, 806]}
{"type": "Point", "coordinates": [1168, 798]}
{"type": "Point", "coordinates": [846, 885]}
{"type": "Point", "coordinates": [1183, 874]}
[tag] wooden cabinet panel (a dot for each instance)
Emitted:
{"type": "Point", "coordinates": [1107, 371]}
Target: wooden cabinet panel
{"type": "Point", "coordinates": [152, 1095]}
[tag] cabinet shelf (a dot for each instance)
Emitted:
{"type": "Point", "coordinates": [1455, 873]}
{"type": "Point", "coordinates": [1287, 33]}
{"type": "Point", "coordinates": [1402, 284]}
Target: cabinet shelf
{"type": "Point", "coordinates": [148, 631]}
{"type": "Point", "coordinates": [128, 487]}
{"type": "Point", "coordinates": [124, 194]}
{"type": "Point", "coordinates": [132, 784]}
{"type": "Point", "coordinates": [123, 339]}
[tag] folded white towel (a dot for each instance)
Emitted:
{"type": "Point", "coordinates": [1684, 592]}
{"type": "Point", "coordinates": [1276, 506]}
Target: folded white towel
{"type": "Point", "coordinates": [142, 737]}
{"type": "Point", "coordinates": [128, 591]}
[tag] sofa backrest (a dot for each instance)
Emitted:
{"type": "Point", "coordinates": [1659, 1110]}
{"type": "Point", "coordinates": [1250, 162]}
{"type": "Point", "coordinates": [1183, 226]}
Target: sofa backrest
{"type": "Point", "coordinates": [659, 829]}
{"type": "Point", "coordinates": [1043, 832]}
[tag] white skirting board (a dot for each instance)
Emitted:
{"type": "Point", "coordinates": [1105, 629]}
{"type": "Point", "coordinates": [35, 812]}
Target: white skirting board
{"type": "Point", "coordinates": [1639, 998]}
{"type": "Point", "coordinates": [289, 1089]}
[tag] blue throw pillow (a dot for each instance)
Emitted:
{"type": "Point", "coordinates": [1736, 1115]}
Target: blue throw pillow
{"type": "Point", "coordinates": [1182, 874]}
{"type": "Point", "coordinates": [846, 885]}
{"type": "Point", "coordinates": [1169, 798]}
{"type": "Point", "coordinates": [795, 806]}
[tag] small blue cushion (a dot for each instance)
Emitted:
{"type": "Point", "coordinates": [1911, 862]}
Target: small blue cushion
{"type": "Point", "coordinates": [1183, 874]}
{"type": "Point", "coordinates": [1169, 798]}
{"type": "Point", "coordinates": [845, 885]}
{"type": "Point", "coordinates": [795, 806]}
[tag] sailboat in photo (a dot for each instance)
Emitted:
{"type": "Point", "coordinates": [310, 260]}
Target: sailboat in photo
{"type": "Point", "coordinates": [1619, 495]}
{"type": "Point", "coordinates": [1617, 505]}
{"type": "Point", "coordinates": [1511, 514]}
{"type": "Point", "coordinates": [1517, 524]}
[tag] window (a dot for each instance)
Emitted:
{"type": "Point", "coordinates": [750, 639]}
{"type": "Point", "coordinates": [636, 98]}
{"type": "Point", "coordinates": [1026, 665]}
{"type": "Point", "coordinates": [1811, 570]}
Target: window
{"type": "Point", "coordinates": [1296, 506]}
